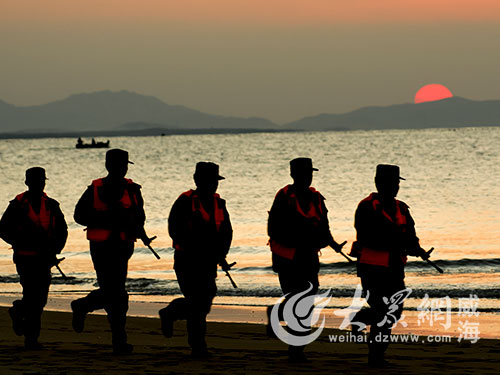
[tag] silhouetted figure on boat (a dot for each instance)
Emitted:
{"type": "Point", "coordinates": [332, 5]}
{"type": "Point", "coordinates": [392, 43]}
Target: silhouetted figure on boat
{"type": "Point", "coordinates": [112, 210]}
{"type": "Point", "coordinates": [201, 231]}
{"type": "Point", "coordinates": [35, 227]}
{"type": "Point", "coordinates": [94, 144]}
{"type": "Point", "coordinates": [385, 236]}
{"type": "Point", "coordinates": [298, 229]}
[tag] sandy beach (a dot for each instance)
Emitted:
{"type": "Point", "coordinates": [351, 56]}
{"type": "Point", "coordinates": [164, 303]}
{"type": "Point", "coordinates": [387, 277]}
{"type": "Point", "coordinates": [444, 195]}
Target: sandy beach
{"type": "Point", "coordinates": [236, 347]}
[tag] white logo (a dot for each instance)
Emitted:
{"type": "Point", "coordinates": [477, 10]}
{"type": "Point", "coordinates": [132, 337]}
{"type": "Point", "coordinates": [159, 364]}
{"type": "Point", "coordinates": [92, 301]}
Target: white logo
{"type": "Point", "coordinates": [300, 314]}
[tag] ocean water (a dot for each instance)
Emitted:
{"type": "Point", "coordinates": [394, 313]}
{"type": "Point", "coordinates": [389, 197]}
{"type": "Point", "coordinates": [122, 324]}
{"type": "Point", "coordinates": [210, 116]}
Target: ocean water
{"type": "Point", "coordinates": [452, 187]}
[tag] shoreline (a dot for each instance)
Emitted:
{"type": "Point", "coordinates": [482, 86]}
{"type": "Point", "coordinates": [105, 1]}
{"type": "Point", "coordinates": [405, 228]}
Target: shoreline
{"type": "Point", "coordinates": [256, 315]}
{"type": "Point", "coordinates": [236, 347]}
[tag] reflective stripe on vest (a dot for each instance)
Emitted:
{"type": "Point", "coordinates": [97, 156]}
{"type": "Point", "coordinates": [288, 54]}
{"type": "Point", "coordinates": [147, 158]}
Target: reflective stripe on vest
{"type": "Point", "coordinates": [313, 212]}
{"type": "Point", "coordinates": [196, 206]}
{"type": "Point", "coordinates": [381, 257]}
{"type": "Point", "coordinates": [100, 234]}
{"type": "Point", "coordinates": [283, 251]}
{"type": "Point", "coordinates": [42, 220]}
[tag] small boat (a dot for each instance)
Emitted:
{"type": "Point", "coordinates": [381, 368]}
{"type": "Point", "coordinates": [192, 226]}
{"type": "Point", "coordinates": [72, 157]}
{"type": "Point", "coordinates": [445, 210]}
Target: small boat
{"type": "Point", "coordinates": [93, 144]}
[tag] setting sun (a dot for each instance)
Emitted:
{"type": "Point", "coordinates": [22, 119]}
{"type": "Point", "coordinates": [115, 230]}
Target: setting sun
{"type": "Point", "coordinates": [431, 93]}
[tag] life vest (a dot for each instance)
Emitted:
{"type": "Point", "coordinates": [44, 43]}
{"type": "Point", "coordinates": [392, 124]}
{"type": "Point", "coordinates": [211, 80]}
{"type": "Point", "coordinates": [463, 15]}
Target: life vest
{"type": "Point", "coordinates": [127, 201]}
{"type": "Point", "coordinates": [44, 219]}
{"type": "Point", "coordinates": [196, 206]}
{"type": "Point", "coordinates": [381, 257]}
{"type": "Point", "coordinates": [315, 211]}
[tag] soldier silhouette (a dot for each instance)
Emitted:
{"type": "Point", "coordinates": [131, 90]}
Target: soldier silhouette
{"type": "Point", "coordinates": [385, 236]}
{"type": "Point", "coordinates": [112, 209]}
{"type": "Point", "coordinates": [298, 229]}
{"type": "Point", "coordinates": [201, 231]}
{"type": "Point", "coordinates": [35, 227]}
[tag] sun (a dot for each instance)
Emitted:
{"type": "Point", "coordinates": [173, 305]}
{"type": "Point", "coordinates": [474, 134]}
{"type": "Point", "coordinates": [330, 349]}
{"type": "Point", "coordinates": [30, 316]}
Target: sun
{"type": "Point", "coordinates": [431, 93]}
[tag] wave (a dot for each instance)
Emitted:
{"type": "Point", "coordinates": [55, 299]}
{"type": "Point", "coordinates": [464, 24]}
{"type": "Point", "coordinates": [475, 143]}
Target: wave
{"type": "Point", "coordinates": [449, 266]}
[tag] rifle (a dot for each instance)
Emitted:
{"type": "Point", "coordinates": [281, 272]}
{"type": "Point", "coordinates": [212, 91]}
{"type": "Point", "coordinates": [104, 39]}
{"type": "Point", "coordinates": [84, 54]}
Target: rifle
{"type": "Point", "coordinates": [341, 253]}
{"type": "Point", "coordinates": [431, 262]}
{"type": "Point", "coordinates": [153, 250]}
{"type": "Point", "coordinates": [228, 275]}
{"type": "Point", "coordinates": [56, 264]}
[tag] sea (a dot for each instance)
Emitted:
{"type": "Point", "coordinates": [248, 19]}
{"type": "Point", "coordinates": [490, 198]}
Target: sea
{"type": "Point", "coordinates": [452, 187]}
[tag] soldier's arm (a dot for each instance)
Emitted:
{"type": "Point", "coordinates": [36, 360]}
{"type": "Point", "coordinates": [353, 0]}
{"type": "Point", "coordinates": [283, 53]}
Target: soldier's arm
{"type": "Point", "coordinates": [366, 226]}
{"type": "Point", "coordinates": [412, 243]}
{"type": "Point", "coordinates": [60, 234]}
{"type": "Point", "coordinates": [86, 215]}
{"type": "Point", "coordinates": [326, 234]}
{"type": "Point", "coordinates": [178, 222]}
{"type": "Point", "coordinates": [139, 214]}
{"type": "Point", "coordinates": [8, 223]}
{"type": "Point", "coordinates": [278, 223]}
{"type": "Point", "coordinates": [226, 233]}
{"type": "Point", "coordinates": [84, 208]}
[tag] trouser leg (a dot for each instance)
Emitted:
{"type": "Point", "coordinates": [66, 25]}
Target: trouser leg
{"type": "Point", "coordinates": [382, 314]}
{"type": "Point", "coordinates": [199, 292]}
{"type": "Point", "coordinates": [294, 281]}
{"type": "Point", "coordinates": [35, 279]}
{"type": "Point", "coordinates": [111, 264]}
{"type": "Point", "coordinates": [177, 309]}
{"type": "Point", "coordinates": [92, 301]}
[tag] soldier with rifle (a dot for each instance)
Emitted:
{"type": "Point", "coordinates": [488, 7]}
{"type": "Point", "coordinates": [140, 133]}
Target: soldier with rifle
{"type": "Point", "coordinates": [298, 229]}
{"type": "Point", "coordinates": [201, 232]}
{"type": "Point", "coordinates": [385, 236]}
{"type": "Point", "coordinates": [112, 209]}
{"type": "Point", "coordinates": [35, 227]}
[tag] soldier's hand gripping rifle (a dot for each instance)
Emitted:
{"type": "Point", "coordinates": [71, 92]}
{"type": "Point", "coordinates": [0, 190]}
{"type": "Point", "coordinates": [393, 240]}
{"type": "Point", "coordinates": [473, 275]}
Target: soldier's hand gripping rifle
{"type": "Point", "coordinates": [226, 267]}
{"type": "Point", "coordinates": [425, 256]}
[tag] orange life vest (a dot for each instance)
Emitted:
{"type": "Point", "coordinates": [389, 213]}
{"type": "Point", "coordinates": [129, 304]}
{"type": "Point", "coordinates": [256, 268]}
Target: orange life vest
{"type": "Point", "coordinates": [99, 234]}
{"type": "Point", "coordinates": [381, 257]}
{"type": "Point", "coordinates": [196, 206]}
{"type": "Point", "coordinates": [43, 219]}
{"type": "Point", "coordinates": [314, 212]}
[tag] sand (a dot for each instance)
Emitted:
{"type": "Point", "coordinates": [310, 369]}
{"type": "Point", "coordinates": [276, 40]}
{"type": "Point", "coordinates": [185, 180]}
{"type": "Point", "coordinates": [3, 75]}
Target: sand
{"type": "Point", "coordinates": [236, 347]}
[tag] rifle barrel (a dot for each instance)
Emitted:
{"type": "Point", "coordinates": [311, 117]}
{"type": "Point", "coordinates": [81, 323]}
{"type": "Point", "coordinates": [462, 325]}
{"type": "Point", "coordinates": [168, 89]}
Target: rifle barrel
{"type": "Point", "coordinates": [345, 256]}
{"type": "Point", "coordinates": [154, 252]}
{"type": "Point", "coordinates": [61, 272]}
{"type": "Point", "coordinates": [231, 279]}
{"type": "Point", "coordinates": [434, 265]}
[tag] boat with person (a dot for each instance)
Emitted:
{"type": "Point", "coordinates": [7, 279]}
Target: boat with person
{"type": "Point", "coordinates": [92, 144]}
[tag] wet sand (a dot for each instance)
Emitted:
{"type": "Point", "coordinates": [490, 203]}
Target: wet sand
{"type": "Point", "coordinates": [236, 347]}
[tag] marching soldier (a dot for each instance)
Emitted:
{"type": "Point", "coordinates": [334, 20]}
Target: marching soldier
{"type": "Point", "coordinates": [298, 229]}
{"type": "Point", "coordinates": [201, 231]}
{"type": "Point", "coordinates": [35, 227]}
{"type": "Point", "coordinates": [385, 236]}
{"type": "Point", "coordinates": [112, 209]}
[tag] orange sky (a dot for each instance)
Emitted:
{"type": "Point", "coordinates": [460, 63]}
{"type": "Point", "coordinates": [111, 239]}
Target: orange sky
{"type": "Point", "coordinates": [280, 59]}
{"type": "Point", "coordinates": [282, 12]}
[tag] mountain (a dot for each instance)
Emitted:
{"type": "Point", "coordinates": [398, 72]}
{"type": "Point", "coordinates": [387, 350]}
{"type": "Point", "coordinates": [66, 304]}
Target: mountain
{"type": "Point", "coordinates": [106, 110]}
{"type": "Point", "coordinates": [126, 112]}
{"type": "Point", "coordinates": [447, 113]}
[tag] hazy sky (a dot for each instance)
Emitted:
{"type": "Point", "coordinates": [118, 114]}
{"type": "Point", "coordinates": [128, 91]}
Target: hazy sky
{"type": "Point", "coordinates": [280, 59]}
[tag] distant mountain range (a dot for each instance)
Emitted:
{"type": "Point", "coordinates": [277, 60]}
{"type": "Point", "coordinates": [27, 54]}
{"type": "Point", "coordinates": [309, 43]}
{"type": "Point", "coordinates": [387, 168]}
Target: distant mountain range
{"type": "Point", "coordinates": [447, 113]}
{"type": "Point", "coordinates": [106, 110]}
{"type": "Point", "coordinates": [125, 112]}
